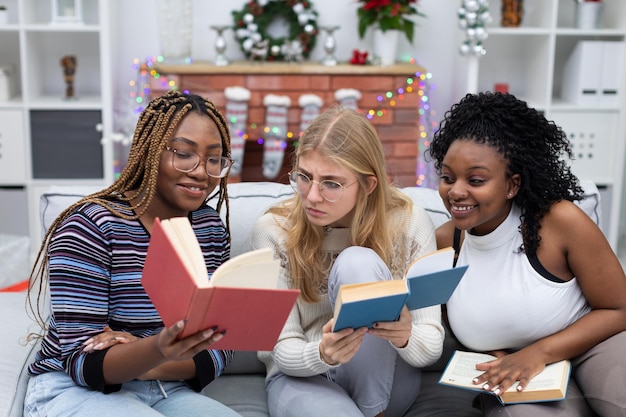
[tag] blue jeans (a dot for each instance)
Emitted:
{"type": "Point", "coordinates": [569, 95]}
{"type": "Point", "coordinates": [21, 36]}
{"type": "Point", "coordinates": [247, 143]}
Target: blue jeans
{"type": "Point", "coordinates": [56, 394]}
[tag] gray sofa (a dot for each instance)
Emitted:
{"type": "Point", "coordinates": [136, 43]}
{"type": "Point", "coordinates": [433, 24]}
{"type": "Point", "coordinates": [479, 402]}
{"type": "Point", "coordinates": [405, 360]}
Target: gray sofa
{"type": "Point", "coordinates": [242, 386]}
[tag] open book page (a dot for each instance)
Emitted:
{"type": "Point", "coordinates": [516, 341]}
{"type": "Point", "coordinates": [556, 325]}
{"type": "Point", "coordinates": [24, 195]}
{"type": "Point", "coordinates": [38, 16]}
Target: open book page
{"type": "Point", "coordinates": [436, 261]}
{"type": "Point", "coordinates": [181, 235]}
{"type": "Point", "coordinates": [549, 385]}
{"type": "Point", "coordinates": [461, 369]}
{"type": "Point", "coordinates": [254, 269]}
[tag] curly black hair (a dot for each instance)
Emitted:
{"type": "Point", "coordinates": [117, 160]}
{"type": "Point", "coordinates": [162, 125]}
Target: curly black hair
{"type": "Point", "coordinates": [533, 147]}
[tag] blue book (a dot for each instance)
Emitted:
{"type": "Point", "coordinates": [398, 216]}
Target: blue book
{"type": "Point", "coordinates": [429, 280]}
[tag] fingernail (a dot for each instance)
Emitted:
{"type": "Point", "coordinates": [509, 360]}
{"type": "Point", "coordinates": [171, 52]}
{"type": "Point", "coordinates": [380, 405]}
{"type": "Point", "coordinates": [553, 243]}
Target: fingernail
{"type": "Point", "coordinates": [519, 388]}
{"type": "Point", "coordinates": [88, 348]}
{"type": "Point", "coordinates": [475, 380]}
{"type": "Point", "coordinates": [496, 391]}
{"type": "Point", "coordinates": [218, 337]}
{"type": "Point", "coordinates": [486, 386]}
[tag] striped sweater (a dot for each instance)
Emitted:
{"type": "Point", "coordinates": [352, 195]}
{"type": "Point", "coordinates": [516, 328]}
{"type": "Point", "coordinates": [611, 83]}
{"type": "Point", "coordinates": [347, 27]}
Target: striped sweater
{"type": "Point", "coordinates": [95, 265]}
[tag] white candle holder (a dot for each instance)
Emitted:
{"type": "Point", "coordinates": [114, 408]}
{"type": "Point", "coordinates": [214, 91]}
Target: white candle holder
{"type": "Point", "coordinates": [67, 12]}
{"type": "Point", "coordinates": [220, 45]}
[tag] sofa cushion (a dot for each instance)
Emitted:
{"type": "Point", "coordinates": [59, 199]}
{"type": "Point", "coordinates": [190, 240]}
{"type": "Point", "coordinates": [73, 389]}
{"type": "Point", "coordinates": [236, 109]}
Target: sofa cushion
{"type": "Point", "coordinates": [248, 201]}
{"type": "Point", "coordinates": [243, 393]}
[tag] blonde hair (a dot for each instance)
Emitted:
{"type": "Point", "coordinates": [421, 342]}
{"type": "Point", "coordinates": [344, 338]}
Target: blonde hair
{"type": "Point", "coordinates": [155, 127]}
{"type": "Point", "coordinates": [346, 138]}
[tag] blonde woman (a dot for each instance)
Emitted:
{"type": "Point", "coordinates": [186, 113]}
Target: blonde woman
{"type": "Point", "coordinates": [105, 351]}
{"type": "Point", "coordinates": [345, 224]}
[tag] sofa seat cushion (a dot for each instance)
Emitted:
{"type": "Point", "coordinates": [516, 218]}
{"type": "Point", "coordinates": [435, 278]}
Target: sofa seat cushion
{"type": "Point", "coordinates": [243, 393]}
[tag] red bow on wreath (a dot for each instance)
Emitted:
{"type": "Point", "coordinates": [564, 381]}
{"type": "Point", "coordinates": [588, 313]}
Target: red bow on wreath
{"type": "Point", "coordinates": [358, 57]}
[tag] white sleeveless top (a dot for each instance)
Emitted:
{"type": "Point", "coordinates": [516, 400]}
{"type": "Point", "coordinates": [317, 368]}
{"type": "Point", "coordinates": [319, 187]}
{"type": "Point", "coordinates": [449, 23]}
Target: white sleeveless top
{"type": "Point", "coordinates": [502, 302]}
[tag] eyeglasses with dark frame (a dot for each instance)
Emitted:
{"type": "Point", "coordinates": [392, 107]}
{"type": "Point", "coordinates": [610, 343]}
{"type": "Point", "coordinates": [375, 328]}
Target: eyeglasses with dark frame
{"type": "Point", "coordinates": [215, 166]}
{"type": "Point", "coordinates": [330, 190]}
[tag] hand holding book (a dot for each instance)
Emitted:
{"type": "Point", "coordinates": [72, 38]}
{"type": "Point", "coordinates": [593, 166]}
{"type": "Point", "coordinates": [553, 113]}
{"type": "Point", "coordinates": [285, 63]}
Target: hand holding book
{"type": "Point", "coordinates": [548, 385]}
{"type": "Point", "coordinates": [430, 280]}
{"type": "Point", "coordinates": [241, 297]}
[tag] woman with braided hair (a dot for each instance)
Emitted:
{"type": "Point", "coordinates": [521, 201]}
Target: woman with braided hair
{"type": "Point", "coordinates": [105, 351]}
{"type": "Point", "coordinates": [543, 283]}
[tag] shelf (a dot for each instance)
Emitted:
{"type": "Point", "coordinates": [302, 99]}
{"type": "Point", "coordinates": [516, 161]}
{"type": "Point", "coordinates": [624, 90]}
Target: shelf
{"type": "Point", "coordinates": [533, 60]}
{"type": "Point", "coordinates": [46, 139]}
{"type": "Point", "coordinates": [81, 102]}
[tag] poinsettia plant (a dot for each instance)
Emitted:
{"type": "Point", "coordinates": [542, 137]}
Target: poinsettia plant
{"type": "Point", "coordinates": [388, 15]}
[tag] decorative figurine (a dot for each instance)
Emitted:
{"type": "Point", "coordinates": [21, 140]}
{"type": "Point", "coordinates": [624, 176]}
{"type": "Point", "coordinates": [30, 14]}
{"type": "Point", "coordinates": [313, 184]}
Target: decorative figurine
{"type": "Point", "coordinates": [68, 62]}
{"type": "Point", "coordinates": [259, 50]}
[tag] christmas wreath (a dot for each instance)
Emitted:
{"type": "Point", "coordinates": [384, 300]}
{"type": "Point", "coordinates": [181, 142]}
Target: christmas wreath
{"type": "Point", "coordinates": [251, 24]}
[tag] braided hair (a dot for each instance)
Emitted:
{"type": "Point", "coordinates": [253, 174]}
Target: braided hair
{"type": "Point", "coordinates": [155, 127]}
{"type": "Point", "coordinates": [531, 145]}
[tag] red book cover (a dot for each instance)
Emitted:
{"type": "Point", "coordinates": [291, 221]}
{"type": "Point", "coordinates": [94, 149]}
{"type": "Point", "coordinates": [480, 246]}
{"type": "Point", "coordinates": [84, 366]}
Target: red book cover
{"type": "Point", "coordinates": [252, 311]}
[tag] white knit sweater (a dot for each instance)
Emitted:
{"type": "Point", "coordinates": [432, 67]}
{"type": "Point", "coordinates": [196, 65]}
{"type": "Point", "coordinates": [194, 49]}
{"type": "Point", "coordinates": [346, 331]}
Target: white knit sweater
{"type": "Point", "coordinates": [297, 351]}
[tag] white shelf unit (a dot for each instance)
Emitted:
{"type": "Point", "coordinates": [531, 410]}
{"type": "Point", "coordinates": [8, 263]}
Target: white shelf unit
{"type": "Point", "coordinates": [532, 58]}
{"type": "Point", "coordinates": [46, 139]}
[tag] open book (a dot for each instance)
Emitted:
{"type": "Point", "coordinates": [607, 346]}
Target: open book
{"type": "Point", "coordinates": [241, 297]}
{"type": "Point", "coordinates": [549, 385]}
{"type": "Point", "coordinates": [429, 280]}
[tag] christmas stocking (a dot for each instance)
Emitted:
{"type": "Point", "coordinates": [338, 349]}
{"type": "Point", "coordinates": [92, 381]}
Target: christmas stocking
{"type": "Point", "coordinates": [276, 125]}
{"type": "Point", "coordinates": [310, 104]}
{"type": "Point", "coordinates": [237, 118]}
{"type": "Point", "coordinates": [348, 98]}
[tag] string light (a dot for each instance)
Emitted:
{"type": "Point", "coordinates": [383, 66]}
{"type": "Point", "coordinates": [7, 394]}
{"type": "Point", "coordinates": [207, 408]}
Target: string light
{"type": "Point", "coordinates": [419, 82]}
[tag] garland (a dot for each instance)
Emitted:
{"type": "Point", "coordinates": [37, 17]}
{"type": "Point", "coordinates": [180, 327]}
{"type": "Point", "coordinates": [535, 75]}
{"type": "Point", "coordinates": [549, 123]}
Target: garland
{"type": "Point", "coordinates": [251, 24]}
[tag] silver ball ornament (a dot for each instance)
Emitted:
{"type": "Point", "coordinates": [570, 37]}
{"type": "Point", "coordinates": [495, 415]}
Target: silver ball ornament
{"type": "Point", "coordinates": [472, 5]}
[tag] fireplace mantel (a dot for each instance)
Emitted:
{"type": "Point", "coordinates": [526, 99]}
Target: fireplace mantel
{"type": "Point", "coordinates": [398, 126]}
{"type": "Point", "coordinates": [305, 68]}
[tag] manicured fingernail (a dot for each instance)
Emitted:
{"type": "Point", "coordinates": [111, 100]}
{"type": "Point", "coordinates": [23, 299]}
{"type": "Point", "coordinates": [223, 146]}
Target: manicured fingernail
{"type": "Point", "coordinates": [486, 386]}
{"type": "Point", "coordinates": [218, 337]}
{"type": "Point", "coordinates": [496, 391]}
{"type": "Point", "coordinates": [475, 380]}
{"type": "Point", "coordinates": [519, 388]}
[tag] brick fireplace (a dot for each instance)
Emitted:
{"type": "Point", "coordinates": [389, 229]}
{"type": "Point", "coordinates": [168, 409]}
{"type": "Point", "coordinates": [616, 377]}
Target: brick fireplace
{"type": "Point", "coordinates": [398, 126]}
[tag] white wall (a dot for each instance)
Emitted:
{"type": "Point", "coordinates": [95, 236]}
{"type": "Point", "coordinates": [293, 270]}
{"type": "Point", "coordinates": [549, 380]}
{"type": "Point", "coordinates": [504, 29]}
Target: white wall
{"type": "Point", "coordinates": [436, 41]}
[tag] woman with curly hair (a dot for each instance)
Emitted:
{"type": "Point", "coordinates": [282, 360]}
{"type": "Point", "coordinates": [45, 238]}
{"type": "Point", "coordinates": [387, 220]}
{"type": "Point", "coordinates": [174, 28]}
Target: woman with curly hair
{"type": "Point", "coordinates": [345, 224]}
{"type": "Point", "coordinates": [105, 351]}
{"type": "Point", "coordinates": [543, 283]}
